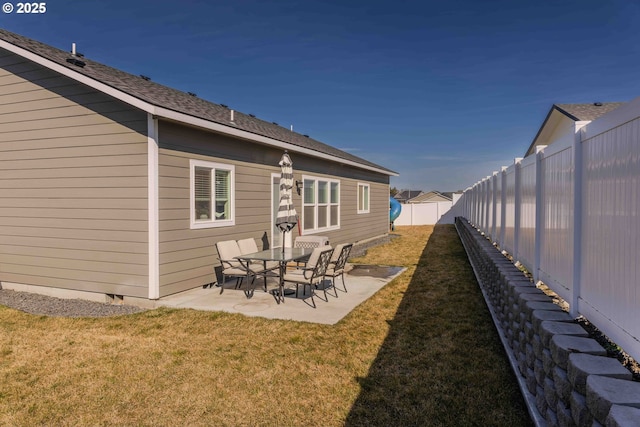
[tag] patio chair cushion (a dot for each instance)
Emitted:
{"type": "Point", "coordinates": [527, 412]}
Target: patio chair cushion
{"type": "Point", "coordinates": [337, 264]}
{"type": "Point", "coordinates": [235, 271]}
{"type": "Point", "coordinates": [302, 275]}
{"type": "Point", "coordinates": [227, 251]}
{"type": "Point", "coordinates": [315, 255]}
{"type": "Point", "coordinates": [339, 259]}
{"type": "Point", "coordinates": [249, 246]}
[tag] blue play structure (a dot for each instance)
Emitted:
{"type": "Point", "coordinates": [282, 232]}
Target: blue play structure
{"type": "Point", "coordinates": [394, 211]}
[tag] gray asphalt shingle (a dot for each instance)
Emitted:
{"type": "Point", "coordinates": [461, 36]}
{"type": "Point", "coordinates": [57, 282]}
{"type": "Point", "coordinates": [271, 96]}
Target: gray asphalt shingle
{"type": "Point", "coordinates": [584, 112]}
{"type": "Point", "coordinates": [163, 96]}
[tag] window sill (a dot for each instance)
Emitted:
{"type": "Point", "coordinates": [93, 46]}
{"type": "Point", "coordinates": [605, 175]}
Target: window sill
{"type": "Point", "coordinates": [211, 224]}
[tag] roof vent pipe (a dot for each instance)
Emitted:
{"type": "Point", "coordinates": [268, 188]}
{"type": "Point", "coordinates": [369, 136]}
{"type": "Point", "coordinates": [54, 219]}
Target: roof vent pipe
{"type": "Point", "coordinates": [73, 49]}
{"type": "Point", "coordinates": [232, 114]}
{"type": "Point", "coordinates": [291, 128]}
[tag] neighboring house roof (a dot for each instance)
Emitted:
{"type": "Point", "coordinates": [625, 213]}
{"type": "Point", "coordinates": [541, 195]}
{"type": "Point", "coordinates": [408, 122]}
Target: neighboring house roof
{"type": "Point", "coordinates": [587, 112]}
{"type": "Point", "coordinates": [431, 196]}
{"type": "Point", "coordinates": [173, 104]}
{"type": "Point", "coordinates": [573, 112]}
{"type": "Point", "coordinates": [405, 195]}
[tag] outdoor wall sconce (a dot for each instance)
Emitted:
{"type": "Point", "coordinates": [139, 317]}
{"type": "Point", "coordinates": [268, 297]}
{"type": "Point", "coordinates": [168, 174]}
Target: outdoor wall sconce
{"type": "Point", "coordinates": [299, 187]}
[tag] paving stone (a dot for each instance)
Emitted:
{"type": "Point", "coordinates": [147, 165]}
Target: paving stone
{"type": "Point", "coordinates": [522, 341]}
{"type": "Point", "coordinates": [528, 308]}
{"type": "Point", "coordinates": [604, 392]}
{"type": "Point", "coordinates": [510, 273]}
{"type": "Point", "coordinates": [623, 416]}
{"type": "Point", "coordinates": [515, 289]}
{"type": "Point", "coordinates": [539, 297]}
{"type": "Point", "coordinates": [530, 381]}
{"type": "Point", "coordinates": [538, 371]}
{"type": "Point", "coordinates": [509, 316]}
{"type": "Point", "coordinates": [512, 308]}
{"type": "Point", "coordinates": [530, 354]}
{"type": "Point", "coordinates": [563, 386]}
{"type": "Point", "coordinates": [550, 394]}
{"type": "Point", "coordinates": [541, 402]}
{"type": "Point", "coordinates": [549, 328]}
{"type": "Point", "coordinates": [581, 365]}
{"type": "Point", "coordinates": [522, 364]}
{"type": "Point", "coordinates": [508, 333]}
{"type": "Point", "coordinates": [514, 315]}
{"type": "Point", "coordinates": [551, 417]}
{"type": "Point", "coordinates": [538, 316]}
{"type": "Point", "coordinates": [528, 330]}
{"type": "Point", "coordinates": [538, 347]}
{"type": "Point", "coordinates": [563, 345]}
{"type": "Point", "coordinates": [500, 302]}
{"type": "Point", "coordinates": [579, 411]}
{"type": "Point", "coordinates": [563, 413]}
{"type": "Point", "coordinates": [515, 342]}
{"type": "Point", "coordinates": [547, 362]}
{"type": "Point", "coordinates": [522, 316]}
{"type": "Point", "coordinates": [507, 272]}
{"type": "Point", "coordinates": [542, 305]}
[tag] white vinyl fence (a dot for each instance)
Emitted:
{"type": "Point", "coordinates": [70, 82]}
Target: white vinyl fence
{"type": "Point", "coordinates": [422, 213]}
{"type": "Point", "coordinates": [571, 215]}
{"type": "Point", "coordinates": [428, 213]}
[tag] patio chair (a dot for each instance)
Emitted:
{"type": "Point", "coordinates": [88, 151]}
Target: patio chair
{"type": "Point", "coordinates": [337, 264]}
{"type": "Point", "coordinates": [313, 273]}
{"type": "Point", "coordinates": [231, 267]}
{"type": "Point", "coordinates": [309, 242]}
{"type": "Point", "coordinates": [263, 269]}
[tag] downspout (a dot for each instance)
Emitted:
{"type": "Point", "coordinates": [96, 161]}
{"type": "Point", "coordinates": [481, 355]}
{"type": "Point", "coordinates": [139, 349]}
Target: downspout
{"type": "Point", "coordinates": [153, 207]}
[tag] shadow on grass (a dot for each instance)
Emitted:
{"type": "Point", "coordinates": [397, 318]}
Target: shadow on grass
{"type": "Point", "coordinates": [442, 363]}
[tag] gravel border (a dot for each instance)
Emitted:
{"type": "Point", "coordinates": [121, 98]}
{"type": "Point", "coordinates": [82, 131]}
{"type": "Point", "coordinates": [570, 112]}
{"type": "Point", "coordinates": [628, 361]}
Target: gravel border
{"type": "Point", "coordinates": [60, 307]}
{"type": "Point", "coordinates": [44, 305]}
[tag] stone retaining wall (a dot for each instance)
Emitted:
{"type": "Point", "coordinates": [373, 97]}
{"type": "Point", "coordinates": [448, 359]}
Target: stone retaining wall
{"type": "Point", "coordinates": [565, 376]}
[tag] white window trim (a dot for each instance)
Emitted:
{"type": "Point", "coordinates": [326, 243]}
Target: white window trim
{"type": "Point", "coordinates": [192, 211]}
{"type": "Point", "coordinates": [315, 228]}
{"type": "Point", "coordinates": [368, 207]}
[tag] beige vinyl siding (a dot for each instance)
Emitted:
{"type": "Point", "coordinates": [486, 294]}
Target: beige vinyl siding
{"type": "Point", "coordinates": [356, 227]}
{"type": "Point", "coordinates": [73, 184]}
{"type": "Point", "coordinates": [187, 257]}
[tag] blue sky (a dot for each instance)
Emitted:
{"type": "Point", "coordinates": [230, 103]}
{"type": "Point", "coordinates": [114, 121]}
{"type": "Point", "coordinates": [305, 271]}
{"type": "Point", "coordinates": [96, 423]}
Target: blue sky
{"type": "Point", "coordinates": [443, 92]}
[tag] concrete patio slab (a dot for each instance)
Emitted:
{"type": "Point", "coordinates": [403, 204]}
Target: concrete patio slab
{"type": "Point", "coordinates": [362, 282]}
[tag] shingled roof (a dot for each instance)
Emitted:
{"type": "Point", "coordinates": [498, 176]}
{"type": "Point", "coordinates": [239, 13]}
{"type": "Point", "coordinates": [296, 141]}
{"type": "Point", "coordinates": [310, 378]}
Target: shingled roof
{"type": "Point", "coordinates": [587, 112]}
{"type": "Point", "coordinates": [575, 112]}
{"type": "Point", "coordinates": [168, 98]}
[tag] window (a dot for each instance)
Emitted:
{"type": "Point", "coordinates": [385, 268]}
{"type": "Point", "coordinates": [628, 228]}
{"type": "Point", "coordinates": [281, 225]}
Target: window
{"type": "Point", "coordinates": [212, 197]}
{"type": "Point", "coordinates": [321, 204]}
{"type": "Point", "coordinates": [363, 198]}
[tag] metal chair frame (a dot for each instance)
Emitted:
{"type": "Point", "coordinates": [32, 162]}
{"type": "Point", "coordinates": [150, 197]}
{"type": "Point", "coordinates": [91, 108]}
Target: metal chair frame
{"type": "Point", "coordinates": [313, 273]}
{"type": "Point", "coordinates": [336, 266]}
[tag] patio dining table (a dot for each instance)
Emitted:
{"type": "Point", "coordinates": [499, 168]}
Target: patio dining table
{"type": "Point", "coordinates": [282, 257]}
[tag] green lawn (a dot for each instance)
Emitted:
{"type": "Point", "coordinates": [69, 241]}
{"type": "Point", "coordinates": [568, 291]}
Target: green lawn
{"type": "Point", "coordinates": [422, 351]}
